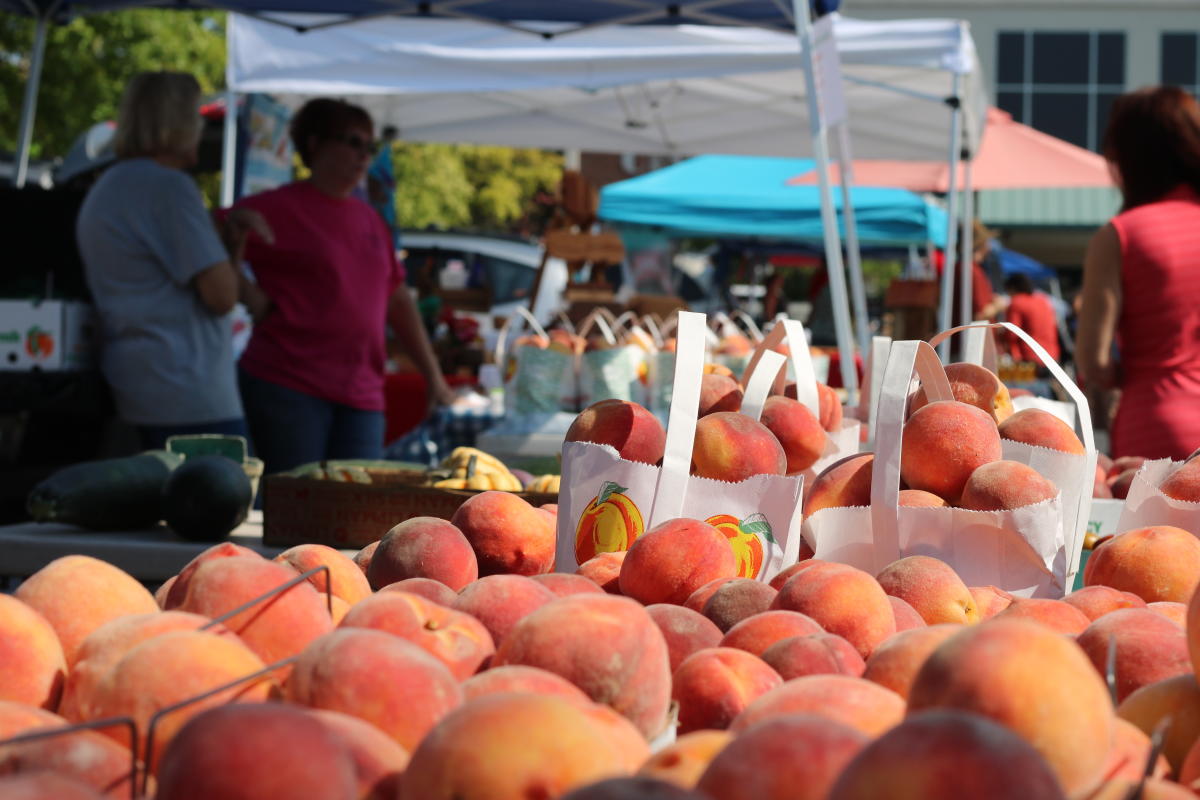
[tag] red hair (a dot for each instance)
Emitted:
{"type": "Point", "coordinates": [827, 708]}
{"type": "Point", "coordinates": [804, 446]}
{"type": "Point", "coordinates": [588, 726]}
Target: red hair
{"type": "Point", "coordinates": [1153, 137]}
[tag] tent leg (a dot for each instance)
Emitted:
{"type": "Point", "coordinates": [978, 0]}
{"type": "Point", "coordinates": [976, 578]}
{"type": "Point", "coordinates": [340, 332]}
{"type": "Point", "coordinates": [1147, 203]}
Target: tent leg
{"type": "Point", "coordinates": [229, 150]}
{"type": "Point", "coordinates": [968, 246]}
{"type": "Point", "coordinates": [946, 298]}
{"type": "Point", "coordinates": [29, 104]}
{"type": "Point", "coordinates": [829, 223]}
{"type": "Point", "coordinates": [858, 292]}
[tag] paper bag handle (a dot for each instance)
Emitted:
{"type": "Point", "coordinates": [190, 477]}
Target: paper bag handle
{"type": "Point", "coordinates": [596, 319]}
{"type": "Point", "coordinates": [655, 332]}
{"type": "Point", "coordinates": [671, 492]}
{"type": "Point", "coordinates": [770, 365]}
{"type": "Point", "coordinates": [502, 338]}
{"type": "Point", "coordinates": [868, 409]}
{"type": "Point", "coordinates": [903, 358]}
{"type": "Point", "coordinates": [749, 324]}
{"type": "Point", "coordinates": [797, 341]}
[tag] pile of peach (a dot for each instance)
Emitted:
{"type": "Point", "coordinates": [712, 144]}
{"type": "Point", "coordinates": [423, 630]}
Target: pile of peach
{"type": "Point", "coordinates": [452, 664]}
{"type": "Point", "coordinates": [1113, 478]}
{"type": "Point", "coordinates": [951, 454]}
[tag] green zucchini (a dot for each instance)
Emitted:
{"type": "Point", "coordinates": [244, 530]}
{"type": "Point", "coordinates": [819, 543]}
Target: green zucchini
{"type": "Point", "coordinates": [106, 495]}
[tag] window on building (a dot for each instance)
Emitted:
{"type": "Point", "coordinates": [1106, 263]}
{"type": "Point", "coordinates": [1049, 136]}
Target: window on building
{"type": "Point", "coordinates": [1179, 64]}
{"type": "Point", "coordinates": [1061, 82]}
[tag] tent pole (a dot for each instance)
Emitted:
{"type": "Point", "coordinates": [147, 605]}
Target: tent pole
{"type": "Point", "coordinates": [29, 104]}
{"type": "Point", "coordinates": [968, 245]}
{"type": "Point", "coordinates": [829, 223]}
{"type": "Point", "coordinates": [229, 150]}
{"type": "Point", "coordinates": [946, 298]}
{"type": "Point", "coordinates": [858, 292]}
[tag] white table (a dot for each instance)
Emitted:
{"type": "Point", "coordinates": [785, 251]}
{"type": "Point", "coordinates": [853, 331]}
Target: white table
{"type": "Point", "coordinates": [151, 555]}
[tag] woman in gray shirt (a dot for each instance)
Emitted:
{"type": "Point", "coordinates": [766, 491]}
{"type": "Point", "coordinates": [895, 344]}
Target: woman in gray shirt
{"type": "Point", "coordinates": [163, 278]}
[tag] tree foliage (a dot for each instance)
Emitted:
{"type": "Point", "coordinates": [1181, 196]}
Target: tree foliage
{"type": "Point", "coordinates": [89, 61]}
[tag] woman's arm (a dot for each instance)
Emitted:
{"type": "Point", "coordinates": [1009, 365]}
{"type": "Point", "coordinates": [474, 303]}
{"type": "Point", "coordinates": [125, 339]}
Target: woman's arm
{"type": "Point", "coordinates": [236, 226]}
{"type": "Point", "coordinates": [406, 324]}
{"type": "Point", "coordinates": [1099, 311]}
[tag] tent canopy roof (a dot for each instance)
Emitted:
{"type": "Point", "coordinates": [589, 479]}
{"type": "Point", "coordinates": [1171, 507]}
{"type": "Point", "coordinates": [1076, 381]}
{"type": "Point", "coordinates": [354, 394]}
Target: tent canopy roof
{"type": "Point", "coordinates": [748, 196]}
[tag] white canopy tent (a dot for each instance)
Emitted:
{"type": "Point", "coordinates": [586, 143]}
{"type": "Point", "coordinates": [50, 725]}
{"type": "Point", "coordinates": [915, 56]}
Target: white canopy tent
{"type": "Point", "coordinates": [674, 90]}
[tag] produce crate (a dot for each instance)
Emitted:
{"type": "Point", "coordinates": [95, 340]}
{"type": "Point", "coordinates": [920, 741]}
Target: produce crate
{"type": "Point", "coordinates": [352, 515]}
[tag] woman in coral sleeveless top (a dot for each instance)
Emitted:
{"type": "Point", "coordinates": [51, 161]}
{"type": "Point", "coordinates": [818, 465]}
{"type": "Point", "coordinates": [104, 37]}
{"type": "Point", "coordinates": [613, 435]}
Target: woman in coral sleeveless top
{"type": "Point", "coordinates": [1141, 284]}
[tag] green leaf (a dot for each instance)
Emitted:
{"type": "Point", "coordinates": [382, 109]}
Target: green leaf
{"type": "Point", "coordinates": [758, 525]}
{"type": "Point", "coordinates": [608, 490]}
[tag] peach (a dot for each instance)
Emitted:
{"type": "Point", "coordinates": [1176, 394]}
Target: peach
{"type": "Point", "coordinates": [363, 557]}
{"type": "Point", "coordinates": [842, 600]}
{"type": "Point", "coordinates": [943, 443]}
{"type": "Point", "coordinates": [507, 534]}
{"type": "Point", "coordinates": [1096, 601]}
{"type": "Point", "coordinates": [1100, 490]}
{"type": "Point", "coordinates": [521, 679]}
{"type": "Point", "coordinates": [1177, 698]}
{"type": "Point", "coordinates": [163, 590]}
{"type": "Point", "coordinates": [990, 600]}
{"type": "Point", "coordinates": [1183, 483]}
{"type": "Point", "coordinates": [512, 747]}
{"type": "Point", "coordinates": [1054, 614]}
{"type": "Point", "coordinates": [698, 598]}
{"type": "Point", "coordinates": [604, 570]}
{"type": "Point", "coordinates": [895, 663]}
{"type": "Point", "coordinates": [931, 587]}
{"type": "Point", "coordinates": [77, 594]}
{"type": "Point", "coordinates": [1004, 486]}
{"type": "Point", "coordinates": [634, 788]}
{"type": "Point", "coordinates": [501, 601]}
{"type": "Point", "coordinates": [733, 447]}
{"type": "Point", "coordinates": [713, 686]}
{"type": "Point", "coordinates": [565, 583]}
{"type": "Point", "coordinates": [684, 630]}
{"type": "Point", "coordinates": [109, 643]}
{"type": "Point", "coordinates": [814, 654]}
{"type": "Point", "coordinates": [975, 386]}
{"type": "Point", "coordinates": [858, 703]}
{"type": "Point", "coordinates": [719, 393]}
{"type": "Point", "coordinates": [378, 677]}
{"type": "Point", "coordinates": [32, 667]}
{"type": "Point", "coordinates": [785, 575]}
{"type": "Point", "coordinates": [423, 547]}
{"type": "Point", "coordinates": [905, 615]}
{"type": "Point", "coordinates": [275, 628]}
{"type": "Point", "coordinates": [709, 367]}
{"type": "Point", "coordinates": [1041, 429]}
{"type": "Point", "coordinates": [917, 498]}
{"type": "Point", "coordinates": [736, 600]}
{"type": "Point", "coordinates": [630, 429]}
{"type": "Point", "coordinates": [1160, 562]}
{"type": "Point", "coordinates": [684, 760]}
{"type": "Point", "coordinates": [1119, 485]}
{"type": "Point", "coordinates": [670, 561]}
{"type": "Point", "coordinates": [631, 746]}
{"type": "Point", "coordinates": [843, 483]}
{"type": "Point", "coordinates": [431, 590]}
{"type": "Point", "coordinates": [945, 755]}
{"type": "Point", "coordinates": [87, 757]}
{"type": "Point", "coordinates": [1130, 753]}
{"type": "Point", "coordinates": [170, 668]}
{"type": "Point", "coordinates": [797, 429]}
{"type": "Point", "coordinates": [1065, 713]}
{"type": "Point", "coordinates": [1149, 648]}
{"type": "Point", "coordinates": [234, 752]}
{"type": "Point", "coordinates": [1149, 789]}
{"type": "Point", "coordinates": [829, 405]}
{"type": "Point", "coordinates": [378, 761]}
{"type": "Point", "coordinates": [458, 640]}
{"type": "Point", "coordinates": [794, 757]}
{"type": "Point", "coordinates": [1176, 612]}
{"type": "Point", "coordinates": [348, 582]}
{"type": "Point", "coordinates": [1125, 463]}
{"type": "Point", "coordinates": [175, 595]}
{"type": "Point", "coordinates": [755, 634]}
{"type": "Point", "coordinates": [45, 786]}
{"type": "Point", "coordinates": [1189, 773]}
{"type": "Point", "coordinates": [608, 646]}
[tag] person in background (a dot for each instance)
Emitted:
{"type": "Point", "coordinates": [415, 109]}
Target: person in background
{"type": "Point", "coordinates": [381, 183]}
{"type": "Point", "coordinates": [1141, 285]}
{"type": "Point", "coordinates": [1033, 313]}
{"type": "Point", "coordinates": [161, 275]}
{"type": "Point", "coordinates": [312, 376]}
{"type": "Point", "coordinates": [985, 305]}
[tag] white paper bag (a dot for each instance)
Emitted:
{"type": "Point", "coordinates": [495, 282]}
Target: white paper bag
{"type": "Point", "coordinates": [839, 443]}
{"type": "Point", "coordinates": [1145, 505]}
{"type": "Point", "coordinates": [1028, 551]}
{"type": "Point", "coordinates": [537, 381]}
{"type": "Point", "coordinates": [610, 372]}
{"type": "Point", "coordinates": [606, 502]}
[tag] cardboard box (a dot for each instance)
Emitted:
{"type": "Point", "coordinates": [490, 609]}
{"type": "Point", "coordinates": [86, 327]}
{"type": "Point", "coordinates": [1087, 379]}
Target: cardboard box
{"type": "Point", "coordinates": [352, 515]}
{"type": "Point", "coordinates": [50, 335]}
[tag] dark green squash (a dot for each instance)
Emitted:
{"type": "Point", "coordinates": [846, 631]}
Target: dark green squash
{"type": "Point", "coordinates": [106, 495]}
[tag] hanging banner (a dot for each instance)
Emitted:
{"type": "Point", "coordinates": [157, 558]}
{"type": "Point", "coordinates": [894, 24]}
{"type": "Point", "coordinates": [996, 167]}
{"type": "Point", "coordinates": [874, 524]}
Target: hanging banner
{"type": "Point", "coordinates": [267, 158]}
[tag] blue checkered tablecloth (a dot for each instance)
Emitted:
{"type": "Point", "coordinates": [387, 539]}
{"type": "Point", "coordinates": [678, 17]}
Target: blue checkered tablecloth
{"type": "Point", "coordinates": [433, 439]}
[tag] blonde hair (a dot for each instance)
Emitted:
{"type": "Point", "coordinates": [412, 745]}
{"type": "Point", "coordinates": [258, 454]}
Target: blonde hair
{"type": "Point", "coordinates": [159, 115]}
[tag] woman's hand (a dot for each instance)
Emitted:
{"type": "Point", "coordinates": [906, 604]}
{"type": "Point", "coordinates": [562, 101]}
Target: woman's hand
{"type": "Point", "coordinates": [238, 225]}
{"type": "Point", "coordinates": [440, 393]}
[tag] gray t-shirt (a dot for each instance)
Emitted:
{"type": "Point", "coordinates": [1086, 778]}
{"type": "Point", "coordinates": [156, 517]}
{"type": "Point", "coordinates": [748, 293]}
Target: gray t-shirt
{"type": "Point", "coordinates": [144, 233]}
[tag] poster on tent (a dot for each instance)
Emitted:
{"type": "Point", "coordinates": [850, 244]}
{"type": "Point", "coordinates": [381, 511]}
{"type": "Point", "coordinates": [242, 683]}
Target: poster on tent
{"type": "Point", "coordinates": [268, 154]}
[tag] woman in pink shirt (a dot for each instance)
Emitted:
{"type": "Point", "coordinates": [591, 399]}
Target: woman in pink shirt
{"type": "Point", "coordinates": [312, 375]}
{"type": "Point", "coordinates": [1141, 277]}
